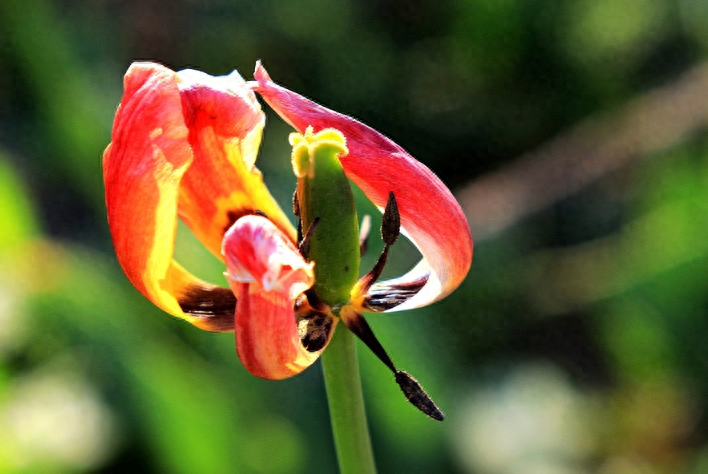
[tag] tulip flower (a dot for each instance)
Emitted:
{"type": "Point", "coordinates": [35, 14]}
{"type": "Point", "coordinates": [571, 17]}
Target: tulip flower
{"type": "Point", "coordinates": [184, 145]}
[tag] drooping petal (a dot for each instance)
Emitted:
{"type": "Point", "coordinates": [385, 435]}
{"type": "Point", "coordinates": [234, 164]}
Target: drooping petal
{"type": "Point", "coordinates": [430, 216]}
{"type": "Point", "coordinates": [143, 166]}
{"type": "Point", "coordinates": [267, 274]}
{"type": "Point", "coordinates": [225, 123]}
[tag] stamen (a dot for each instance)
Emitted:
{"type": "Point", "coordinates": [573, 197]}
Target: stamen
{"type": "Point", "coordinates": [357, 324]}
{"type": "Point", "coordinates": [364, 230]}
{"type": "Point", "coordinates": [370, 278]}
{"type": "Point", "coordinates": [390, 230]}
{"type": "Point", "coordinates": [296, 205]}
{"type": "Point", "coordinates": [304, 246]}
{"type": "Point", "coordinates": [296, 212]}
{"type": "Point", "coordinates": [314, 301]}
{"type": "Point", "coordinates": [391, 223]}
{"type": "Point", "coordinates": [413, 391]}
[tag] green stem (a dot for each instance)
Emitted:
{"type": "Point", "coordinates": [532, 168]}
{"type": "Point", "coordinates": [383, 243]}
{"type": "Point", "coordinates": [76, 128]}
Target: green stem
{"type": "Point", "coordinates": [346, 404]}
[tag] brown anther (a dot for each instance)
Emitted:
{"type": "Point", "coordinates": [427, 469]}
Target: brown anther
{"type": "Point", "coordinates": [417, 396]}
{"type": "Point", "coordinates": [315, 329]}
{"type": "Point", "coordinates": [391, 223]}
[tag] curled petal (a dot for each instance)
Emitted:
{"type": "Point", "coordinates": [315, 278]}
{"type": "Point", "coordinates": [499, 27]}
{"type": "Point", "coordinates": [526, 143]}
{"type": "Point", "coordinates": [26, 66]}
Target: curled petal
{"type": "Point", "coordinates": [430, 216]}
{"type": "Point", "coordinates": [225, 124]}
{"type": "Point", "coordinates": [267, 274]}
{"type": "Point", "coordinates": [143, 167]}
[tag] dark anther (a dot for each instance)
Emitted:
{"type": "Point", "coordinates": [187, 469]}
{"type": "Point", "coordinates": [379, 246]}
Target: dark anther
{"type": "Point", "coordinates": [364, 234]}
{"type": "Point", "coordinates": [258, 212]}
{"type": "Point", "coordinates": [307, 239]}
{"type": "Point", "coordinates": [213, 306]}
{"type": "Point", "coordinates": [315, 329]}
{"type": "Point", "coordinates": [417, 396]}
{"type": "Point", "coordinates": [391, 224]}
{"type": "Point", "coordinates": [414, 393]}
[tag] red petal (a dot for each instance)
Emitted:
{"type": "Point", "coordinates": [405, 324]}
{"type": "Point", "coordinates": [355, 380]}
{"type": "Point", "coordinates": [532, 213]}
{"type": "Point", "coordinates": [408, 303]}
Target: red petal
{"type": "Point", "coordinates": [143, 167]}
{"type": "Point", "coordinates": [430, 216]}
{"type": "Point", "coordinates": [225, 123]}
{"type": "Point", "coordinates": [267, 274]}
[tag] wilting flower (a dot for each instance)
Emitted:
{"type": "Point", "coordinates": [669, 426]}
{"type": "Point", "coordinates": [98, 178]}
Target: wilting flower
{"type": "Point", "coordinates": [184, 145]}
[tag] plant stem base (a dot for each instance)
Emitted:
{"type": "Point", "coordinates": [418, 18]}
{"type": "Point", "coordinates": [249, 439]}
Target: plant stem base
{"type": "Point", "coordinates": [346, 404]}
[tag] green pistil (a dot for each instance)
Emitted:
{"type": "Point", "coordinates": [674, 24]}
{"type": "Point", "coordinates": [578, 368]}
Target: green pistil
{"type": "Point", "coordinates": [323, 192]}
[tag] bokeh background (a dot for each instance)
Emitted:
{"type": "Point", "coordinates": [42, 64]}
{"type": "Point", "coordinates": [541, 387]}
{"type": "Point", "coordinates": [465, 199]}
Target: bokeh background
{"type": "Point", "coordinates": [575, 135]}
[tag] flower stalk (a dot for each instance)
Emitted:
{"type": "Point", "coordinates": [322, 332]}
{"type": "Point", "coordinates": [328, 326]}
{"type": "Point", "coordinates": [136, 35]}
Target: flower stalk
{"type": "Point", "coordinates": [346, 405]}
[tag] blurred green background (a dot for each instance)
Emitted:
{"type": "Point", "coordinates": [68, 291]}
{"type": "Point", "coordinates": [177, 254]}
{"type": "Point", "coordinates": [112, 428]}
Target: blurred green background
{"type": "Point", "coordinates": [575, 135]}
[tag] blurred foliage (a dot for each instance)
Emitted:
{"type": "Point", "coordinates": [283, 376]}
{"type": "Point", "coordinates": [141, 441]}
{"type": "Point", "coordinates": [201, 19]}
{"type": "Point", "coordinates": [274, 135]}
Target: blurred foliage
{"type": "Point", "coordinates": [576, 345]}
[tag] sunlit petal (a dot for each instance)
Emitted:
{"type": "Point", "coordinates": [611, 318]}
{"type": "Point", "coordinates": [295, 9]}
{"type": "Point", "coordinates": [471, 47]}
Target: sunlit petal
{"type": "Point", "coordinates": [430, 216]}
{"type": "Point", "coordinates": [225, 123]}
{"type": "Point", "coordinates": [143, 167]}
{"type": "Point", "coordinates": [267, 274]}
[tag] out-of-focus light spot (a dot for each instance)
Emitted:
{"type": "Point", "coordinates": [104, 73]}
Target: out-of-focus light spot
{"type": "Point", "coordinates": [605, 28]}
{"type": "Point", "coordinates": [533, 422]}
{"type": "Point", "coordinates": [55, 421]}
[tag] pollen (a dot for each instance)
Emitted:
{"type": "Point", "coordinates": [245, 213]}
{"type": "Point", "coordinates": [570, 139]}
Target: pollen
{"type": "Point", "coordinates": [307, 146]}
